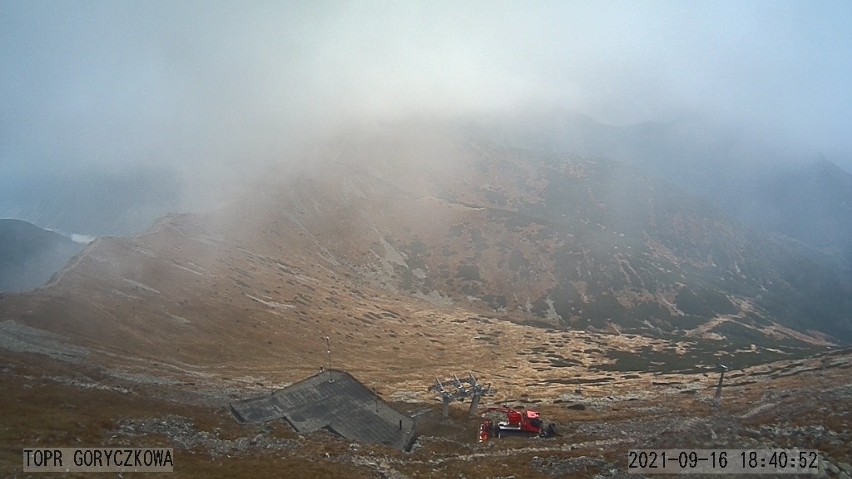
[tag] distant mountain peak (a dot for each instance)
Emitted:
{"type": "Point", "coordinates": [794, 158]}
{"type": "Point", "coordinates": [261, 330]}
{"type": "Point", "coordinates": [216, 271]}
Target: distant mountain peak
{"type": "Point", "coordinates": [30, 255]}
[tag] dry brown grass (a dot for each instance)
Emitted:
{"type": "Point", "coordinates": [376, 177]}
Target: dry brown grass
{"type": "Point", "coordinates": [251, 319]}
{"type": "Point", "coordinates": [36, 410]}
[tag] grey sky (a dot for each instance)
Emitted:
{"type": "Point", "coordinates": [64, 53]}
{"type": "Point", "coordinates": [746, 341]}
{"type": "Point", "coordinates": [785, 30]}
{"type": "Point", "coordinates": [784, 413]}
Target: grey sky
{"type": "Point", "coordinates": [220, 83]}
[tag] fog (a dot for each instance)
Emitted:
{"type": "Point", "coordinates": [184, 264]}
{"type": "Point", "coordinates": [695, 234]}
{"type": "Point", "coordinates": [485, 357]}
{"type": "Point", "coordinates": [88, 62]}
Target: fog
{"type": "Point", "coordinates": [213, 90]}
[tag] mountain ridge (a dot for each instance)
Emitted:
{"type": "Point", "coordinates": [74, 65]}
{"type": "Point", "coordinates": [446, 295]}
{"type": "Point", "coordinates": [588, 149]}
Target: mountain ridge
{"type": "Point", "coordinates": [579, 287]}
{"type": "Point", "coordinates": [578, 243]}
{"type": "Point", "coordinates": [30, 256]}
{"type": "Point", "coordinates": [769, 187]}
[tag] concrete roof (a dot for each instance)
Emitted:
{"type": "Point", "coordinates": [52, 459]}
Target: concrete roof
{"type": "Point", "coordinates": [335, 400]}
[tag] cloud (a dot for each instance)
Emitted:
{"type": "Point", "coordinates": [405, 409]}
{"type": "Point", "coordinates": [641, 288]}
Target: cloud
{"type": "Point", "coordinates": [224, 84]}
{"type": "Point", "coordinates": [82, 239]}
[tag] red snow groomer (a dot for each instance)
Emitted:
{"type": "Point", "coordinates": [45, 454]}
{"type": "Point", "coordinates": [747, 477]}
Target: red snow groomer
{"type": "Point", "coordinates": [504, 421]}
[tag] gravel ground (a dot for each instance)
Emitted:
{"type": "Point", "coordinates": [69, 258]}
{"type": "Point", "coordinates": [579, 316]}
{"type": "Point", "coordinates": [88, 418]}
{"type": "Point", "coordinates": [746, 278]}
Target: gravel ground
{"type": "Point", "coordinates": [24, 339]}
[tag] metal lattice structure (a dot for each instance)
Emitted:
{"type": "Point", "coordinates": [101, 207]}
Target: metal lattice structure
{"type": "Point", "coordinates": [460, 389]}
{"type": "Point", "coordinates": [717, 398]}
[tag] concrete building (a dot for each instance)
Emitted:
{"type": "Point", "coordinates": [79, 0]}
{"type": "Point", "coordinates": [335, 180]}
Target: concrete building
{"type": "Point", "coordinates": [334, 400]}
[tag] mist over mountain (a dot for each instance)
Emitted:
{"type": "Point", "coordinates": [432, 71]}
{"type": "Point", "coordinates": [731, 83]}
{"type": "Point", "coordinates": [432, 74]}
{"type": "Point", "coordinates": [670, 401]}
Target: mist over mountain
{"type": "Point", "coordinates": [29, 255]}
{"type": "Point", "coordinates": [655, 228]}
{"type": "Point", "coordinates": [590, 205]}
{"type": "Point", "coordinates": [811, 203]}
{"type": "Point", "coordinates": [774, 187]}
{"type": "Point", "coordinates": [102, 93]}
{"type": "Point", "coordinates": [578, 283]}
{"type": "Point", "coordinates": [454, 212]}
{"type": "Point", "coordinates": [92, 201]}
{"type": "Point", "coordinates": [583, 241]}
